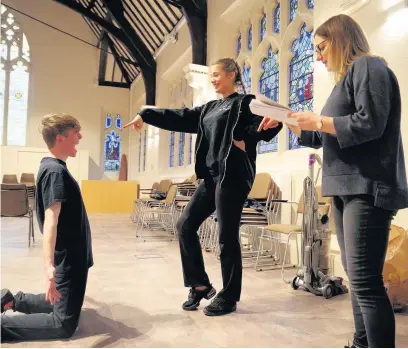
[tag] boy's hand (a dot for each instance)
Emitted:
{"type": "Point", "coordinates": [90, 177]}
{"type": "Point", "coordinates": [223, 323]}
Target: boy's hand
{"type": "Point", "coordinates": [137, 123]}
{"type": "Point", "coordinates": [51, 293]}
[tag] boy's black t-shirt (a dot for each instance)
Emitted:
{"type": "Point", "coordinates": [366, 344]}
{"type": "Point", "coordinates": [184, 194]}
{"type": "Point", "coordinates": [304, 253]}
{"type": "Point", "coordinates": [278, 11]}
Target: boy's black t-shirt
{"type": "Point", "coordinates": [73, 246]}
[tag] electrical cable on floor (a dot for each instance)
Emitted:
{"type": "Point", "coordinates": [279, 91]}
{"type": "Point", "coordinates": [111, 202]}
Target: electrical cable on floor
{"type": "Point", "coordinates": [72, 36]}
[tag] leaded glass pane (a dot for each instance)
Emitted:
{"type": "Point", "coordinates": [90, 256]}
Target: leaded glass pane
{"type": "Point", "coordinates": [301, 77]}
{"type": "Point", "coordinates": [112, 152]}
{"type": "Point", "coordinates": [171, 148]}
{"type": "Point", "coordinates": [276, 19]}
{"type": "Point", "coordinates": [269, 87]}
{"type": "Point", "coordinates": [294, 4]}
{"type": "Point", "coordinates": [263, 27]}
{"type": "Point", "coordinates": [250, 39]}
{"type": "Point", "coordinates": [182, 139]}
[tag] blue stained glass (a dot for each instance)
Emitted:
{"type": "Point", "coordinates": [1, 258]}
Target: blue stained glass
{"type": "Point", "coordinates": [112, 152]}
{"type": "Point", "coordinates": [246, 77]}
{"type": "Point", "coordinates": [140, 153]}
{"type": "Point", "coordinates": [190, 157]}
{"type": "Point", "coordinates": [182, 141]}
{"type": "Point", "coordinates": [269, 80]}
{"type": "Point", "coordinates": [250, 39]}
{"type": "Point", "coordinates": [294, 4]}
{"type": "Point", "coordinates": [144, 151]}
{"type": "Point", "coordinates": [263, 27]}
{"type": "Point", "coordinates": [301, 78]}
{"type": "Point", "coordinates": [310, 4]}
{"type": "Point", "coordinates": [269, 87]}
{"type": "Point", "coordinates": [276, 19]}
{"type": "Point", "coordinates": [239, 44]}
{"type": "Point", "coordinates": [108, 121]}
{"type": "Point", "coordinates": [118, 122]}
{"type": "Point", "coordinates": [171, 148]}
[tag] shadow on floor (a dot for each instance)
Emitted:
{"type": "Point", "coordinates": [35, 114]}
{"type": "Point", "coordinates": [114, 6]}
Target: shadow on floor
{"type": "Point", "coordinates": [117, 322]}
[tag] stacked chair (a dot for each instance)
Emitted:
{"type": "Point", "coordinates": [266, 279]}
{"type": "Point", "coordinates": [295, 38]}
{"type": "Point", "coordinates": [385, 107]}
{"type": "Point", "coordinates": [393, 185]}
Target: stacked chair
{"type": "Point", "coordinates": [263, 192]}
{"type": "Point", "coordinates": [282, 233]}
{"type": "Point", "coordinates": [154, 214]}
{"type": "Point", "coordinates": [151, 198]}
{"type": "Point", "coordinates": [14, 203]}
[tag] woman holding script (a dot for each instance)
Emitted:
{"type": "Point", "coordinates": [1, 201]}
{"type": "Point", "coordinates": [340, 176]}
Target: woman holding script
{"type": "Point", "coordinates": [363, 167]}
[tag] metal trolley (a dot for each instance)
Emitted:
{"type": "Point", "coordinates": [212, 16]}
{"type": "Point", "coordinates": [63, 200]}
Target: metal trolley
{"type": "Point", "coordinates": [313, 274]}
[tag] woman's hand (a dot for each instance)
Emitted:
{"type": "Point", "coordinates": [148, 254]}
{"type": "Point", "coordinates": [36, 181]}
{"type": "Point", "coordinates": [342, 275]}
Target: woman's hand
{"type": "Point", "coordinates": [239, 144]}
{"type": "Point", "coordinates": [137, 123]}
{"type": "Point", "coordinates": [306, 120]}
{"type": "Point", "coordinates": [267, 123]}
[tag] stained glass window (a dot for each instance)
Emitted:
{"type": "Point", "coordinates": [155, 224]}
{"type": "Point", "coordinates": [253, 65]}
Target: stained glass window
{"type": "Point", "coordinates": [112, 151]}
{"type": "Point", "coordinates": [269, 87]}
{"type": "Point", "coordinates": [171, 148]}
{"type": "Point", "coordinates": [276, 19]}
{"type": "Point", "coordinates": [301, 78]}
{"type": "Point", "coordinates": [263, 27]}
{"type": "Point", "coordinates": [250, 39]}
{"type": "Point", "coordinates": [239, 44]}
{"type": "Point", "coordinates": [14, 79]}
{"type": "Point", "coordinates": [310, 4]}
{"type": "Point", "coordinates": [190, 156]}
{"type": "Point", "coordinates": [294, 4]}
{"type": "Point", "coordinates": [140, 153]}
{"type": "Point", "coordinates": [108, 121]}
{"type": "Point", "coordinates": [144, 151]}
{"type": "Point", "coordinates": [246, 77]}
{"type": "Point", "coordinates": [118, 122]}
{"type": "Point", "coordinates": [269, 80]}
{"type": "Point", "coordinates": [182, 141]}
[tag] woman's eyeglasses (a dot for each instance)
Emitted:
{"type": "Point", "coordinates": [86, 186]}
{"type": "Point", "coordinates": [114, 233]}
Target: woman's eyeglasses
{"type": "Point", "coordinates": [318, 49]}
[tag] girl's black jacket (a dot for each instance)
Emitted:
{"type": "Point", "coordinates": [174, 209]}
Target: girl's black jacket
{"type": "Point", "coordinates": [241, 125]}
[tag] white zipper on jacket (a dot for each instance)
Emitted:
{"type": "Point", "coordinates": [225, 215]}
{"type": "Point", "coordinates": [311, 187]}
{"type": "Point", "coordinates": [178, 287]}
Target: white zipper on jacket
{"type": "Point", "coordinates": [201, 138]}
{"type": "Point", "coordinates": [232, 137]}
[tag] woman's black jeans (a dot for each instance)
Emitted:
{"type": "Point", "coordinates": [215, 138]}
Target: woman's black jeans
{"type": "Point", "coordinates": [362, 231]}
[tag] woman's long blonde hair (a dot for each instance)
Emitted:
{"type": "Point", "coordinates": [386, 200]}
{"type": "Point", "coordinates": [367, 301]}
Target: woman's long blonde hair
{"type": "Point", "coordinates": [347, 42]}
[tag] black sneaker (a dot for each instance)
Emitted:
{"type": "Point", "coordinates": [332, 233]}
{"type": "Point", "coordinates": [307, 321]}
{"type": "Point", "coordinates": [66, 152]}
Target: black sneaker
{"type": "Point", "coordinates": [195, 296]}
{"type": "Point", "coordinates": [6, 297]}
{"type": "Point", "coordinates": [220, 306]}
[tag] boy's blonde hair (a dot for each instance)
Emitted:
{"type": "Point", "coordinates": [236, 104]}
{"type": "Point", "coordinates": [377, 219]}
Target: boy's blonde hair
{"type": "Point", "coordinates": [53, 125]}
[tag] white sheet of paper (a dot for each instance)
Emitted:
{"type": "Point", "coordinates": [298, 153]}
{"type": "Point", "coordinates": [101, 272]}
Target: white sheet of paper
{"type": "Point", "coordinates": [272, 109]}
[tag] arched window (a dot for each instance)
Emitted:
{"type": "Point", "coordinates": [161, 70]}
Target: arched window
{"type": "Point", "coordinates": [190, 155]}
{"type": "Point", "coordinates": [239, 44]}
{"type": "Point", "coordinates": [14, 78]}
{"type": "Point", "coordinates": [140, 153]}
{"type": "Point", "coordinates": [171, 148]}
{"type": "Point", "coordinates": [250, 39]}
{"type": "Point", "coordinates": [269, 87]}
{"type": "Point", "coordinates": [112, 144]}
{"type": "Point", "coordinates": [144, 151]}
{"type": "Point", "coordinates": [182, 140]}
{"type": "Point", "coordinates": [294, 4]}
{"type": "Point", "coordinates": [301, 78]}
{"type": "Point", "coordinates": [246, 78]}
{"type": "Point", "coordinates": [276, 19]}
{"type": "Point", "coordinates": [262, 32]}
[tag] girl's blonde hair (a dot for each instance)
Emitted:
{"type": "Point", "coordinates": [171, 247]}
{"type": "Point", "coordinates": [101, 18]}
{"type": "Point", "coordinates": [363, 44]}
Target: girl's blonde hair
{"type": "Point", "coordinates": [347, 42]}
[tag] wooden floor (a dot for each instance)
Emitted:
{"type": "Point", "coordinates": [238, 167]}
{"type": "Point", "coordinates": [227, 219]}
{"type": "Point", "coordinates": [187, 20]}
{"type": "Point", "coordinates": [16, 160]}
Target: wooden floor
{"type": "Point", "coordinates": [135, 291]}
